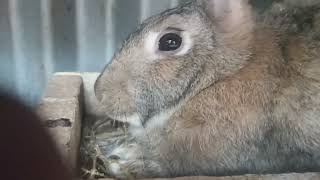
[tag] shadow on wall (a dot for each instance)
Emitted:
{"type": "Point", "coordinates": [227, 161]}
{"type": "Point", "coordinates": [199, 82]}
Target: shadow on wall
{"type": "Point", "coordinates": [34, 158]}
{"type": "Point", "coordinates": [39, 37]}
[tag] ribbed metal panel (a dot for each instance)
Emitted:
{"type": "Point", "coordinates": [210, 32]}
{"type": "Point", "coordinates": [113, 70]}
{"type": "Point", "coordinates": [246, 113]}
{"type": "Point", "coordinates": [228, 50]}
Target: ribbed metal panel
{"type": "Point", "coordinates": [39, 37]}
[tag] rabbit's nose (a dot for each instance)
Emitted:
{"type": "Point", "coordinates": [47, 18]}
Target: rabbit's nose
{"type": "Point", "coordinates": [114, 76]}
{"type": "Point", "coordinates": [99, 87]}
{"type": "Point", "coordinates": [114, 157]}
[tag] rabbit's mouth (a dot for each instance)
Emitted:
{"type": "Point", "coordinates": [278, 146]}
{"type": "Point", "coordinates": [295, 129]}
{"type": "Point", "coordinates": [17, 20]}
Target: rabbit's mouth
{"type": "Point", "coordinates": [132, 120]}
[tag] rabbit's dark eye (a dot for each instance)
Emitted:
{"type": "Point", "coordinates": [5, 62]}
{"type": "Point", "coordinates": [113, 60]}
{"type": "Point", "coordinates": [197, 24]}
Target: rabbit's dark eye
{"type": "Point", "coordinates": [170, 42]}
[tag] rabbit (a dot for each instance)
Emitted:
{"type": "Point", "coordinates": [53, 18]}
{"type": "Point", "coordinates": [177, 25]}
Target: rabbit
{"type": "Point", "coordinates": [214, 88]}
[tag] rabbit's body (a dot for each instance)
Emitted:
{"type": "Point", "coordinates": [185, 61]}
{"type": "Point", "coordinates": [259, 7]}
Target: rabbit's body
{"type": "Point", "coordinates": [244, 99]}
{"type": "Point", "coordinates": [247, 124]}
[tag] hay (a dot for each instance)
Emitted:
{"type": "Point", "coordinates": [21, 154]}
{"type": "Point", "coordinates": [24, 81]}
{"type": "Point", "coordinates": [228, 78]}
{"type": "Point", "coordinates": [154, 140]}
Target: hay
{"type": "Point", "coordinates": [99, 138]}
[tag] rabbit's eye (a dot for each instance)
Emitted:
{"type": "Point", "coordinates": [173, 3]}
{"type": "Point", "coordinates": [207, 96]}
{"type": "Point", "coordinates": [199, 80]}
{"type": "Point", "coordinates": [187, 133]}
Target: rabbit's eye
{"type": "Point", "coordinates": [170, 42]}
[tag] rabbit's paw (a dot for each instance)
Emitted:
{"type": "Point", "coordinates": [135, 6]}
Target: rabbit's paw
{"type": "Point", "coordinates": [128, 162]}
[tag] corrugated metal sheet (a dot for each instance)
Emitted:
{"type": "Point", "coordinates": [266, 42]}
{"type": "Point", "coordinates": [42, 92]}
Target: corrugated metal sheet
{"type": "Point", "coordinates": [39, 37]}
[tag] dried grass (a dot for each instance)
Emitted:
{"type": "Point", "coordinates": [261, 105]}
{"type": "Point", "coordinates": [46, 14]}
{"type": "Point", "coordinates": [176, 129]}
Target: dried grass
{"type": "Point", "coordinates": [99, 138]}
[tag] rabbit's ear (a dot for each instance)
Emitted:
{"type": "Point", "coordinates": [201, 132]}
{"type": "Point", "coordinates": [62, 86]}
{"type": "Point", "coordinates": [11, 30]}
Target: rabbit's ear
{"type": "Point", "coordinates": [216, 9]}
{"type": "Point", "coordinates": [229, 13]}
{"type": "Point", "coordinates": [232, 19]}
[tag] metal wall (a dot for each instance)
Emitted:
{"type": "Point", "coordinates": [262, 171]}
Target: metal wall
{"type": "Point", "coordinates": [39, 37]}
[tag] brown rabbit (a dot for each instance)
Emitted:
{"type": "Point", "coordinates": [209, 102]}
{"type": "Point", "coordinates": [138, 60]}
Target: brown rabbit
{"type": "Point", "coordinates": [213, 88]}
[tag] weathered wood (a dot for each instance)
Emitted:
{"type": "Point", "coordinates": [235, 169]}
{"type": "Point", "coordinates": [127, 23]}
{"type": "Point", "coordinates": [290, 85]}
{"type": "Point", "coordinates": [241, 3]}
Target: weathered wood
{"type": "Point", "coordinates": [61, 109]}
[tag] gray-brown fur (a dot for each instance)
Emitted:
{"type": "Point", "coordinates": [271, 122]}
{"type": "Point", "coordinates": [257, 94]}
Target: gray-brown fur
{"type": "Point", "coordinates": [247, 94]}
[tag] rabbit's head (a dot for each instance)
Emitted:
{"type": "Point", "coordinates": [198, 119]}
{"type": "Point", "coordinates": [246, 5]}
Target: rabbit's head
{"type": "Point", "coordinates": [174, 55]}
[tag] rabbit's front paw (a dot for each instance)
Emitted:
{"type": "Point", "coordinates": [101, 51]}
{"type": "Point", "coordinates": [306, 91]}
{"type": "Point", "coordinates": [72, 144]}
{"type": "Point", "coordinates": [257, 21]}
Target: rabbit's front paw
{"type": "Point", "coordinates": [128, 161]}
